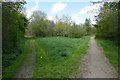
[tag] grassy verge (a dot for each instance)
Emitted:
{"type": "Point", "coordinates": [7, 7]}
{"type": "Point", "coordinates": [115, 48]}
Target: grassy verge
{"type": "Point", "coordinates": [10, 72]}
{"type": "Point", "coordinates": [111, 51]}
{"type": "Point", "coordinates": [58, 56]}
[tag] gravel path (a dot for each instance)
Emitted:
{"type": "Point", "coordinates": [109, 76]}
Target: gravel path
{"type": "Point", "coordinates": [27, 69]}
{"type": "Point", "coordinates": [95, 64]}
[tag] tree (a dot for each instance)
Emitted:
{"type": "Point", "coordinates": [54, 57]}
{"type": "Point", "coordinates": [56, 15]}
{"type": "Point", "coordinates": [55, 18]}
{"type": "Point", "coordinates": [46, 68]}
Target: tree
{"type": "Point", "coordinates": [59, 28]}
{"type": "Point", "coordinates": [14, 23]}
{"type": "Point", "coordinates": [51, 28]}
{"type": "Point", "coordinates": [38, 24]}
{"type": "Point", "coordinates": [107, 21]}
{"type": "Point", "coordinates": [87, 26]}
{"type": "Point", "coordinates": [76, 31]}
{"type": "Point", "coordinates": [62, 25]}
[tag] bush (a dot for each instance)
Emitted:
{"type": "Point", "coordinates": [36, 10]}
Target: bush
{"type": "Point", "coordinates": [64, 54]}
{"type": "Point", "coordinates": [13, 28]}
{"type": "Point", "coordinates": [75, 32]}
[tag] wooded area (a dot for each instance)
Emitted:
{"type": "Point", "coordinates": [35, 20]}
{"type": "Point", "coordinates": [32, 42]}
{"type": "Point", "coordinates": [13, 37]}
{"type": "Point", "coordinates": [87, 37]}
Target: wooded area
{"type": "Point", "coordinates": [39, 25]}
{"type": "Point", "coordinates": [14, 23]}
{"type": "Point", "coordinates": [107, 22]}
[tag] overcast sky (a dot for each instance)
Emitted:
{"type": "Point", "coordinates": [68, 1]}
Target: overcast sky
{"type": "Point", "coordinates": [78, 10]}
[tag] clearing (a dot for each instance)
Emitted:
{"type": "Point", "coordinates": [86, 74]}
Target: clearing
{"type": "Point", "coordinates": [58, 57]}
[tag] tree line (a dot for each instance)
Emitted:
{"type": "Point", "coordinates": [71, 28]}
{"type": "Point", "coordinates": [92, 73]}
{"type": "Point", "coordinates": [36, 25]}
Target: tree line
{"type": "Point", "coordinates": [39, 25]}
{"type": "Point", "coordinates": [14, 22]}
{"type": "Point", "coordinates": [107, 21]}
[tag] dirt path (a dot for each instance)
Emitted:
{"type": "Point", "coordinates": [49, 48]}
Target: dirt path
{"type": "Point", "coordinates": [27, 69]}
{"type": "Point", "coordinates": [95, 64]}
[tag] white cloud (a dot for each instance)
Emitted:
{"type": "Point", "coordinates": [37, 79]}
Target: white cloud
{"type": "Point", "coordinates": [86, 12]}
{"type": "Point", "coordinates": [76, 17]}
{"type": "Point", "coordinates": [90, 9]}
{"type": "Point", "coordinates": [50, 17]}
{"type": "Point", "coordinates": [57, 7]}
{"type": "Point", "coordinates": [30, 11]}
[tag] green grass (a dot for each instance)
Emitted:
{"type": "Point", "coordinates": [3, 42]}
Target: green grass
{"type": "Point", "coordinates": [55, 56]}
{"type": "Point", "coordinates": [10, 72]}
{"type": "Point", "coordinates": [111, 51]}
{"type": "Point", "coordinates": [58, 57]}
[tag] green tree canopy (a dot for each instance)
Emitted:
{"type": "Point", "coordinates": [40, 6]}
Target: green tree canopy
{"type": "Point", "coordinates": [88, 27]}
{"type": "Point", "coordinates": [14, 23]}
{"type": "Point", "coordinates": [38, 23]}
{"type": "Point", "coordinates": [107, 21]}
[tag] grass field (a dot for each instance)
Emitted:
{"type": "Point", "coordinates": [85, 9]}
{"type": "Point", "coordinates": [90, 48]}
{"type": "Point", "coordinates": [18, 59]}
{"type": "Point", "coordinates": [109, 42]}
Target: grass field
{"type": "Point", "coordinates": [58, 57]}
{"type": "Point", "coordinates": [55, 56]}
{"type": "Point", "coordinates": [111, 52]}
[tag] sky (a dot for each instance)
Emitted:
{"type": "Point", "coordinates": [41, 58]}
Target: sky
{"type": "Point", "coordinates": [78, 10]}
